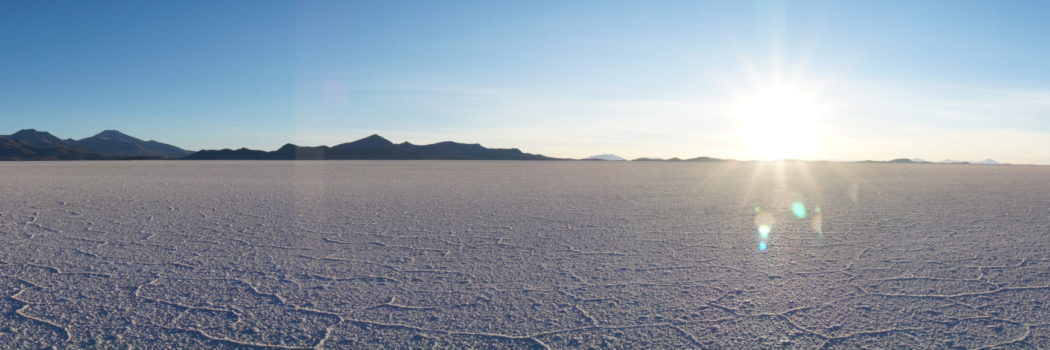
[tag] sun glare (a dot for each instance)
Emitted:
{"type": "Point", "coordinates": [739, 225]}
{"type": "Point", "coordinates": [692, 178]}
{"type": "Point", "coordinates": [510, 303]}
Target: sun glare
{"type": "Point", "coordinates": [779, 122]}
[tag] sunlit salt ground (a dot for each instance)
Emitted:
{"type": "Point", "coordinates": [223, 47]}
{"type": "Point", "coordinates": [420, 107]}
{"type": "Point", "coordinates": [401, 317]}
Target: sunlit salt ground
{"type": "Point", "coordinates": [411, 254]}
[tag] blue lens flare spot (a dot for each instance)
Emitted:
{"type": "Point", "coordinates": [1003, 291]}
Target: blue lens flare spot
{"type": "Point", "coordinates": [762, 246]}
{"type": "Point", "coordinates": [799, 210]}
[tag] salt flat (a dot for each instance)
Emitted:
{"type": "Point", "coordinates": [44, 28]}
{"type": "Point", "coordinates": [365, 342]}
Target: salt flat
{"type": "Point", "coordinates": [414, 254]}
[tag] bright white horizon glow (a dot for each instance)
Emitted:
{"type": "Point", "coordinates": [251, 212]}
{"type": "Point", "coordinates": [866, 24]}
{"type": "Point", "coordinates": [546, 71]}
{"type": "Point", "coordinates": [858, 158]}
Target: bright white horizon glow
{"type": "Point", "coordinates": [780, 122]}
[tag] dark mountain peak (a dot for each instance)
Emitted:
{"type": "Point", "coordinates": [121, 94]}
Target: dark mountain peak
{"type": "Point", "coordinates": [374, 139]}
{"type": "Point", "coordinates": [37, 138]}
{"type": "Point", "coordinates": [118, 144]}
{"type": "Point", "coordinates": [371, 142]}
{"type": "Point", "coordinates": [31, 133]}
{"type": "Point", "coordinates": [114, 134]}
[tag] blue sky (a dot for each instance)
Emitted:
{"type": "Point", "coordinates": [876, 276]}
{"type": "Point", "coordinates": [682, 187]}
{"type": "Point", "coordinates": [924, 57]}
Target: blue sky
{"type": "Point", "coordinates": [959, 79]}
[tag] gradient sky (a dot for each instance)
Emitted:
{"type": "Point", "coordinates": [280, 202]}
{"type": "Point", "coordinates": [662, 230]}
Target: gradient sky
{"type": "Point", "coordinates": [951, 79]}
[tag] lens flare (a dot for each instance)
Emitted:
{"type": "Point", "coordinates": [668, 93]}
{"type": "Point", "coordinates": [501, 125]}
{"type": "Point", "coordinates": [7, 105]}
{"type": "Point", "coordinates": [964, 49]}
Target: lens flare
{"type": "Point", "coordinates": [764, 218]}
{"type": "Point", "coordinates": [817, 223]}
{"type": "Point", "coordinates": [764, 221]}
{"type": "Point", "coordinates": [763, 231]}
{"type": "Point", "coordinates": [799, 210]}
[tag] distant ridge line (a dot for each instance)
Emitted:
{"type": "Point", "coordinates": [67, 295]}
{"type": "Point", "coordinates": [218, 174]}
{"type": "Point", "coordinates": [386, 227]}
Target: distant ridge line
{"type": "Point", "coordinates": [373, 147]}
{"type": "Point", "coordinates": [32, 144]}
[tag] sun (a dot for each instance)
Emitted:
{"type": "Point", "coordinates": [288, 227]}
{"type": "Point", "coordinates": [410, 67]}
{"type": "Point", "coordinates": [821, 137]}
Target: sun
{"type": "Point", "coordinates": [780, 122]}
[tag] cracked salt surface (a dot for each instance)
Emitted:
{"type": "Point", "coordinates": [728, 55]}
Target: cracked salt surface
{"type": "Point", "coordinates": [408, 254]}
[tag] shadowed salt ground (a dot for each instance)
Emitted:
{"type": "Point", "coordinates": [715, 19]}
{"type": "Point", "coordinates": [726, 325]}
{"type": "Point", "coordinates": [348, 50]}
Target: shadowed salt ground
{"type": "Point", "coordinates": [408, 254]}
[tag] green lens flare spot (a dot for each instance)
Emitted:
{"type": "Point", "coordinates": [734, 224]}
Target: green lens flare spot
{"type": "Point", "coordinates": [758, 208]}
{"type": "Point", "coordinates": [763, 231]}
{"type": "Point", "coordinates": [799, 210]}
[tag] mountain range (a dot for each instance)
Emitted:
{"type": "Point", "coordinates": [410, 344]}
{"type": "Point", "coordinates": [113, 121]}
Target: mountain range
{"type": "Point", "coordinates": [374, 147]}
{"type": "Point", "coordinates": [31, 144]}
{"type": "Point", "coordinates": [676, 159]}
{"type": "Point", "coordinates": [14, 149]}
{"type": "Point", "coordinates": [946, 161]}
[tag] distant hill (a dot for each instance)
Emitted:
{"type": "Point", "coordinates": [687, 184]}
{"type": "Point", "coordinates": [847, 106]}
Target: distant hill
{"type": "Point", "coordinates": [605, 157]}
{"type": "Point", "coordinates": [922, 161]}
{"type": "Point", "coordinates": [118, 144]}
{"type": "Point", "coordinates": [676, 159]}
{"type": "Point", "coordinates": [983, 162]}
{"type": "Point", "coordinates": [903, 161]}
{"type": "Point", "coordinates": [373, 147]}
{"type": "Point", "coordinates": [36, 138]}
{"type": "Point", "coordinates": [704, 159]}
